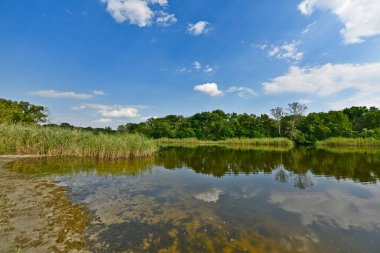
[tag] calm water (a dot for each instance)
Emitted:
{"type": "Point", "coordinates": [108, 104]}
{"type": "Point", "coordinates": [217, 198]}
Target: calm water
{"type": "Point", "coordinates": [215, 199]}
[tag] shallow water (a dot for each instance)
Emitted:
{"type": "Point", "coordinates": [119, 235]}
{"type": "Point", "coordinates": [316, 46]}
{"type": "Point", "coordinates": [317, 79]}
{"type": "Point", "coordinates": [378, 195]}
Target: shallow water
{"type": "Point", "coordinates": [216, 199]}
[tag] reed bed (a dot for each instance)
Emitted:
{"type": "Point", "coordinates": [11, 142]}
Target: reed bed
{"type": "Point", "coordinates": [275, 142]}
{"type": "Point", "coordinates": [52, 141]}
{"type": "Point", "coordinates": [339, 141]}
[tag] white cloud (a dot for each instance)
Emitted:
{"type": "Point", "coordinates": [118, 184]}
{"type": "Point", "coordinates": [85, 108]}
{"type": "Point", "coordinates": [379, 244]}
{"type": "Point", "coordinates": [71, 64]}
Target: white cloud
{"type": "Point", "coordinates": [165, 19]}
{"type": "Point", "coordinates": [139, 12]}
{"type": "Point", "coordinates": [92, 106]}
{"type": "Point", "coordinates": [136, 12]}
{"type": "Point", "coordinates": [241, 91]}
{"type": "Point", "coordinates": [99, 93]}
{"type": "Point", "coordinates": [213, 90]}
{"type": "Point", "coordinates": [112, 111]}
{"type": "Point", "coordinates": [209, 88]}
{"type": "Point", "coordinates": [160, 2]}
{"type": "Point", "coordinates": [197, 65]}
{"type": "Point", "coordinates": [330, 79]}
{"type": "Point", "coordinates": [198, 28]}
{"type": "Point", "coordinates": [288, 51]}
{"type": "Point", "coordinates": [209, 69]}
{"type": "Point", "coordinates": [123, 112]}
{"type": "Point", "coordinates": [307, 29]}
{"type": "Point", "coordinates": [184, 70]}
{"type": "Point", "coordinates": [361, 18]}
{"type": "Point", "coordinates": [66, 94]}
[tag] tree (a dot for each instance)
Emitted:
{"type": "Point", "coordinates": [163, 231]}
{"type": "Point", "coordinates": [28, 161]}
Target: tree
{"type": "Point", "coordinates": [24, 112]}
{"type": "Point", "coordinates": [278, 114]}
{"type": "Point", "coordinates": [295, 112]}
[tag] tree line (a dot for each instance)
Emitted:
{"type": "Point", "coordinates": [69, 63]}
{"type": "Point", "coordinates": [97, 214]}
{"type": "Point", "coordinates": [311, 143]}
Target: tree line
{"type": "Point", "coordinates": [291, 122]}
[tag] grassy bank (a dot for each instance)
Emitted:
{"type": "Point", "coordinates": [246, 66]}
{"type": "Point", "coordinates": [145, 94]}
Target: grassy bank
{"type": "Point", "coordinates": [275, 142]}
{"type": "Point", "coordinates": [34, 139]}
{"type": "Point", "coordinates": [345, 142]}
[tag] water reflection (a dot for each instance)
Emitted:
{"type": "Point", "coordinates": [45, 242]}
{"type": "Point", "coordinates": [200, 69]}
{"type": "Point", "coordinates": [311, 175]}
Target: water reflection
{"type": "Point", "coordinates": [216, 199]}
{"type": "Point", "coordinates": [294, 165]}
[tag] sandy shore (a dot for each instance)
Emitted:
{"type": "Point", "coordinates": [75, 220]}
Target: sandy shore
{"type": "Point", "coordinates": [37, 216]}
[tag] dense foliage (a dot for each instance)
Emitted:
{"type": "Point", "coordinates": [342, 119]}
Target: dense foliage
{"type": "Point", "coordinates": [24, 112]}
{"type": "Point", "coordinates": [218, 125]}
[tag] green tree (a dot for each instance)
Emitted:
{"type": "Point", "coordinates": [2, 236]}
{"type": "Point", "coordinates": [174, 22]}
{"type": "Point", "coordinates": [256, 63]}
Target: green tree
{"type": "Point", "coordinates": [23, 112]}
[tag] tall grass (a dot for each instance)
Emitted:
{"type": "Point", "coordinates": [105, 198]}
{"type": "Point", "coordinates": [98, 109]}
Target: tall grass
{"type": "Point", "coordinates": [339, 141]}
{"type": "Point", "coordinates": [233, 141]}
{"type": "Point", "coordinates": [34, 139]}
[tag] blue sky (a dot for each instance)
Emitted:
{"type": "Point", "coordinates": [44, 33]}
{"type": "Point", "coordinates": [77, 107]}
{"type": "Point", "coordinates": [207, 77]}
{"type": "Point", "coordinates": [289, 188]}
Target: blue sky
{"type": "Point", "coordinates": [108, 62]}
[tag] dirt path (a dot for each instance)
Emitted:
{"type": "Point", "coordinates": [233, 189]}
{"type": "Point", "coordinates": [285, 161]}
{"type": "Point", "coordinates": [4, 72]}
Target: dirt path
{"type": "Point", "coordinates": [37, 216]}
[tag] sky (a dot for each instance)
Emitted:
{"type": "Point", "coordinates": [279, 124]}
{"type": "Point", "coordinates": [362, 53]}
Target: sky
{"type": "Point", "coordinates": [108, 62]}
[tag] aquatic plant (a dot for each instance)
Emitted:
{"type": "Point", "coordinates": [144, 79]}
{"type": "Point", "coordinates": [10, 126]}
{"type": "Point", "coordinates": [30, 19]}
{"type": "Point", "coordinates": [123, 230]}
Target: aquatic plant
{"type": "Point", "coordinates": [339, 141]}
{"type": "Point", "coordinates": [35, 139]}
{"type": "Point", "coordinates": [233, 141]}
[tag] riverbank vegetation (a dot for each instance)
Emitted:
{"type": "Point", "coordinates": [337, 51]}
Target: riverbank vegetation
{"type": "Point", "coordinates": [337, 141]}
{"type": "Point", "coordinates": [275, 142]}
{"type": "Point", "coordinates": [35, 139]}
{"type": "Point", "coordinates": [283, 127]}
{"type": "Point", "coordinates": [291, 123]}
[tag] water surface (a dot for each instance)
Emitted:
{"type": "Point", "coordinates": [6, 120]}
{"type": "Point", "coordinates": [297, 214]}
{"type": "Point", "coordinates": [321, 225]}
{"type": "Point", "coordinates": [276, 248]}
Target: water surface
{"type": "Point", "coordinates": [217, 199]}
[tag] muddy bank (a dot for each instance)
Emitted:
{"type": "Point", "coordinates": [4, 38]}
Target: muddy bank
{"type": "Point", "coordinates": [37, 216]}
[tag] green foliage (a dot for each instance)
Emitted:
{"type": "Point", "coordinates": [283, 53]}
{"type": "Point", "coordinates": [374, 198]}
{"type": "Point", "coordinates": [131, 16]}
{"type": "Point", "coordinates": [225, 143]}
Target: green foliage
{"type": "Point", "coordinates": [217, 125]}
{"type": "Point", "coordinates": [319, 126]}
{"type": "Point", "coordinates": [35, 139]}
{"type": "Point", "coordinates": [339, 141]}
{"type": "Point", "coordinates": [21, 112]}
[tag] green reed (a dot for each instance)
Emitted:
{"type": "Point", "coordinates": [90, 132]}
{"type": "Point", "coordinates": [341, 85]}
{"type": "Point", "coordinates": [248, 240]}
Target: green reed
{"type": "Point", "coordinates": [339, 141]}
{"type": "Point", "coordinates": [54, 141]}
{"type": "Point", "coordinates": [233, 141]}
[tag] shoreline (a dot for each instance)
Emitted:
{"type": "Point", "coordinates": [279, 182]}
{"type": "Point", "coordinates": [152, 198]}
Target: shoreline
{"type": "Point", "coordinates": [37, 215]}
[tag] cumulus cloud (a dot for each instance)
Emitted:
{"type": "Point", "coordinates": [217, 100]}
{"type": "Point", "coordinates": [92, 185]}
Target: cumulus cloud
{"type": "Point", "coordinates": [139, 12]}
{"type": "Point", "coordinates": [287, 51]}
{"type": "Point", "coordinates": [361, 18]}
{"type": "Point", "coordinates": [123, 112]}
{"type": "Point", "coordinates": [241, 91]}
{"type": "Point", "coordinates": [209, 88]}
{"type": "Point", "coordinates": [112, 111]}
{"type": "Point", "coordinates": [329, 79]}
{"type": "Point", "coordinates": [201, 27]}
{"type": "Point", "coordinates": [66, 94]}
